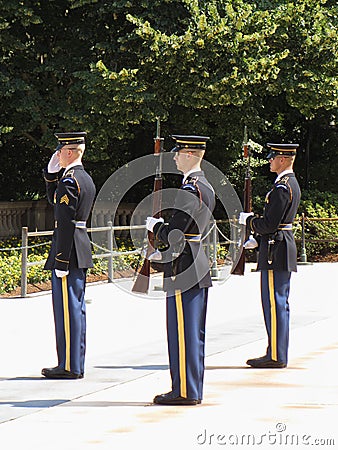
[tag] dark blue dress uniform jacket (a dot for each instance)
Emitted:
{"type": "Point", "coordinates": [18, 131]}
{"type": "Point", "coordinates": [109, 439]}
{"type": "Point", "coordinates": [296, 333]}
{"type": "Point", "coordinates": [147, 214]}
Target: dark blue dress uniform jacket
{"type": "Point", "coordinates": [185, 264]}
{"type": "Point", "coordinates": [72, 194]}
{"type": "Point", "coordinates": [281, 205]}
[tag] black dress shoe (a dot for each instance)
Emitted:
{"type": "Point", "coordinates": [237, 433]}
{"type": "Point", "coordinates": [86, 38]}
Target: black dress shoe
{"type": "Point", "coordinates": [60, 374]}
{"type": "Point", "coordinates": [171, 399]}
{"type": "Point", "coordinates": [265, 362]}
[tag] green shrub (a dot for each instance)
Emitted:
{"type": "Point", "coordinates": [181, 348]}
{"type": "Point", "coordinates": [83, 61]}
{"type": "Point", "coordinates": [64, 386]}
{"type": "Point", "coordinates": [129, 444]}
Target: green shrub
{"type": "Point", "coordinates": [10, 263]}
{"type": "Point", "coordinates": [10, 273]}
{"type": "Point", "coordinates": [316, 204]}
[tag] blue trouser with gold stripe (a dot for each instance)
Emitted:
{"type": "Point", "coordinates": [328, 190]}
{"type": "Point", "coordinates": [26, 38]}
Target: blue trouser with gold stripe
{"type": "Point", "coordinates": [186, 315]}
{"type": "Point", "coordinates": [275, 288]}
{"type": "Point", "coordinates": [70, 319]}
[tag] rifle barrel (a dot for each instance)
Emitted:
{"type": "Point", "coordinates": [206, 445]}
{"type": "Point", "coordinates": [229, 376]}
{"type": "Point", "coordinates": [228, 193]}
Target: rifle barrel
{"type": "Point", "coordinates": [141, 284]}
{"type": "Point", "coordinates": [247, 201]}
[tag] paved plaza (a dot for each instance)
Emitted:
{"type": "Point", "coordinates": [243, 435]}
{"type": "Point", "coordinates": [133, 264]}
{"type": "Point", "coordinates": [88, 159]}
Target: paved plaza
{"type": "Point", "coordinates": [127, 364]}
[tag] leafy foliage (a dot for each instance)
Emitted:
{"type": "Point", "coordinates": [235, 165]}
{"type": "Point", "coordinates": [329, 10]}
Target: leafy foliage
{"type": "Point", "coordinates": [319, 205]}
{"type": "Point", "coordinates": [204, 67]}
{"type": "Point", "coordinates": [10, 263]}
{"type": "Point", "coordinates": [313, 205]}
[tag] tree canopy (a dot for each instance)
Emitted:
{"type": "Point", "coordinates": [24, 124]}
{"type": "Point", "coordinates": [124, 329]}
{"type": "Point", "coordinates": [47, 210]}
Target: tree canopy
{"type": "Point", "coordinates": [204, 67]}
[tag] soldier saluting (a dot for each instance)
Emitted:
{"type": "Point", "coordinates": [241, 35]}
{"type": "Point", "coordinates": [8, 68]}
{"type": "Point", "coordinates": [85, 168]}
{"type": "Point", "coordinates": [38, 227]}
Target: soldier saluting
{"type": "Point", "coordinates": [71, 190]}
{"type": "Point", "coordinates": [277, 253]}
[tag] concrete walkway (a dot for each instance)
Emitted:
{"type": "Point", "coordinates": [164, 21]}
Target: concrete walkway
{"type": "Point", "coordinates": [127, 365]}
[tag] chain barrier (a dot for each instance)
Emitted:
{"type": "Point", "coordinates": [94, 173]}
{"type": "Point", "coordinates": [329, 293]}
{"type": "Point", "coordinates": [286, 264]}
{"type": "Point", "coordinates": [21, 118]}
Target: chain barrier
{"type": "Point", "coordinates": [110, 253]}
{"type": "Point", "coordinates": [225, 237]}
{"type": "Point", "coordinates": [209, 232]}
{"type": "Point", "coordinates": [24, 247]}
{"type": "Point", "coordinates": [116, 253]}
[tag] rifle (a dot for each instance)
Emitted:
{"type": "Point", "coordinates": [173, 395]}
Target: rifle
{"type": "Point", "coordinates": [247, 202]}
{"type": "Point", "coordinates": [141, 284]}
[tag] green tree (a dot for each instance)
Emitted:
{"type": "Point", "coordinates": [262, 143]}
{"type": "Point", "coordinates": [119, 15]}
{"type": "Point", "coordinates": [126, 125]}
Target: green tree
{"type": "Point", "coordinates": [203, 66]}
{"type": "Point", "coordinates": [227, 64]}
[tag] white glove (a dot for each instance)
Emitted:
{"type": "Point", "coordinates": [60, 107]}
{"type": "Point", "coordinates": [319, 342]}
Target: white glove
{"type": "Point", "coordinates": [243, 216]}
{"type": "Point", "coordinates": [151, 222]}
{"type": "Point", "coordinates": [61, 273]}
{"type": "Point", "coordinates": [250, 243]}
{"type": "Point", "coordinates": [54, 163]}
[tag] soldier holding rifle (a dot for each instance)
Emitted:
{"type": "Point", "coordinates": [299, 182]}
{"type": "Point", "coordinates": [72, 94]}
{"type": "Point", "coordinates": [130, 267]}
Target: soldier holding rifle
{"type": "Point", "coordinates": [277, 253]}
{"type": "Point", "coordinates": [186, 273]}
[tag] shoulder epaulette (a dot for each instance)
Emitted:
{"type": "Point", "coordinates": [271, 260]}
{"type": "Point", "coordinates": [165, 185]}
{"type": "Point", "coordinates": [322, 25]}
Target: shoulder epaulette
{"type": "Point", "coordinates": [189, 187]}
{"type": "Point", "coordinates": [192, 186]}
{"type": "Point", "coordinates": [284, 180]}
{"type": "Point", "coordinates": [284, 183]}
{"type": "Point", "coordinates": [70, 177]}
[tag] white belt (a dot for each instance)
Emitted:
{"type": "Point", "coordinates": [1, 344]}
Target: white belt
{"type": "Point", "coordinates": [193, 237]}
{"type": "Point", "coordinates": [78, 224]}
{"type": "Point", "coordinates": [285, 226]}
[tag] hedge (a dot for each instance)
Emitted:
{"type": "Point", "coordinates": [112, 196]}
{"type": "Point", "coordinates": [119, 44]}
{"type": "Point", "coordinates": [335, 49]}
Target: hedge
{"type": "Point", "coordinates": [314, 204]}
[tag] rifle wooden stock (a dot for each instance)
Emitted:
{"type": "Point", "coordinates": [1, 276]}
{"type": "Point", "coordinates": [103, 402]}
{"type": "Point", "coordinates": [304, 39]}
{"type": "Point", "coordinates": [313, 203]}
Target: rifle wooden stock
{"type": "Point", "coordinates": [247, 205]}
{"type": "Point", "coordinates": [141, 284]}
{"type": "Point", "coordinates": [240, 266]}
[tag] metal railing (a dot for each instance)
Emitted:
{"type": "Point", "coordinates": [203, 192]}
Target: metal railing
{"type": "Point", "coordinates": [302, 220]}
{"type": "Point", "coordinates": [108, 252]}
{"type": "Point", "coordinates": [212, 243]}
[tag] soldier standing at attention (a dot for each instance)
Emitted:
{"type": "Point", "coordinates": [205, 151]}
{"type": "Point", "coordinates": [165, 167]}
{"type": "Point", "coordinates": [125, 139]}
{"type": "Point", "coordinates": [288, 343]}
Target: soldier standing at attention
{"type": "Point", "coordinates": [186, 273]}
{"type": "Point", "coordinates": [277, 253]}
{"type": "Point", "coordinates": [72, 191]}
